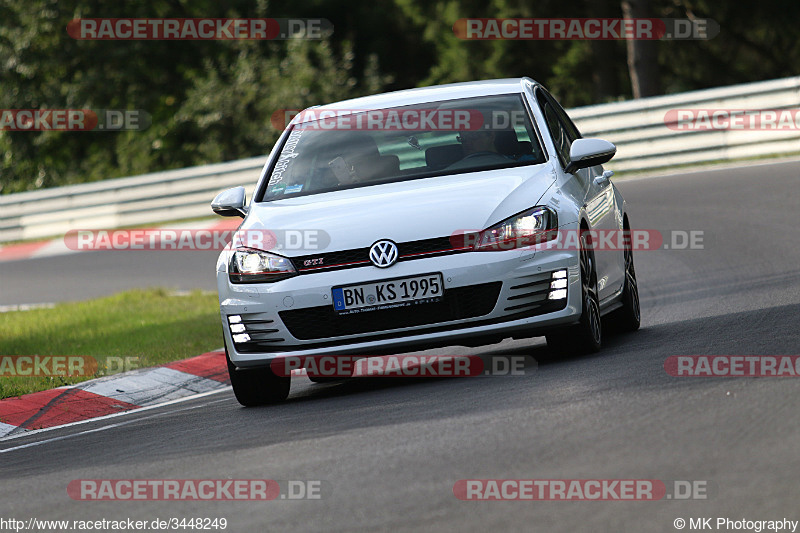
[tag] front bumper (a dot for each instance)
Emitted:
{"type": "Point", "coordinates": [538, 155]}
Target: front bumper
{"type": "Point", "coordinates": [487, 294]}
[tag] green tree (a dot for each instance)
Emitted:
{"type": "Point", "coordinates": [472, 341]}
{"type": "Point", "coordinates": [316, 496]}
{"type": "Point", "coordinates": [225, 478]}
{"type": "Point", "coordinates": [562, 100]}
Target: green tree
{"type": "Point", "coordinates": [209, 100]}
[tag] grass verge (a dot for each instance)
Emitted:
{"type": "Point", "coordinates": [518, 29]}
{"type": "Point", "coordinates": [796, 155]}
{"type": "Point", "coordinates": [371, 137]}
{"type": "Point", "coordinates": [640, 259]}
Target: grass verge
{"type": "Point", "coordinates": [138, 328]}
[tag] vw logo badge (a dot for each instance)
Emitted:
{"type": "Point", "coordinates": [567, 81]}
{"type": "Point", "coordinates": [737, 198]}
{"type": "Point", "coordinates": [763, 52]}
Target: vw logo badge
{"type": "Point", "coordinates": [383, 254]}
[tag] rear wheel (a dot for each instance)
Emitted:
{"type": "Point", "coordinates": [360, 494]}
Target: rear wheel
{"type": "Point", "coordinates": [629, 317]}
{"type": "Point", "coordinates": [257, 386]}
{"type": "Point", "coordinates": [587, 335]}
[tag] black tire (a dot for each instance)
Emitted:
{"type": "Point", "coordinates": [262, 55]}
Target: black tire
{"type": "Point", "coordinates": [587, 335]}
{"type": "Point", "coordinates": [257, 386]}
{"type": "Point", "coordinates": [629, 318]}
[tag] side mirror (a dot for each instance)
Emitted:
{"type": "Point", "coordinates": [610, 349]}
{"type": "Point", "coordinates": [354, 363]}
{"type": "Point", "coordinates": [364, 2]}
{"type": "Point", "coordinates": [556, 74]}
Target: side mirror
{"type": "Point", "coordinates": [230, 203]}
{"type": "Point", "coordinates": [586, 153]}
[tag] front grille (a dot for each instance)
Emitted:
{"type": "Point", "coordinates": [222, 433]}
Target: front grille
{"type": "Point", "coordinates": [357, 257]}
{"type": "Point", "coordinates": [427, 247]}
{"type": "Point", "coordinates": [458, 303]}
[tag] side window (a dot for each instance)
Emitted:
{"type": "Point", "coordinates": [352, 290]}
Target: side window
{"type": "Point", "coordinates": [560, 135]}
{"type": "Point", "coordinates": [572, 129]}
{"type": "Point", "coordinates": [561, 127]}
{"type": "Point", "coordinates": [557, 131]}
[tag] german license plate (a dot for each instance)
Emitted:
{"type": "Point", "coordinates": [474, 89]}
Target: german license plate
{"type": "Point", "coordinates": [388, 294]}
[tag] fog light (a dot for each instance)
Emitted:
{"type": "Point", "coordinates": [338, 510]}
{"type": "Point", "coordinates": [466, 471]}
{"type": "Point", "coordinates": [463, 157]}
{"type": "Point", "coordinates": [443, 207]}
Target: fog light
{"type": "Point", "coordinates": [559, 284]}
{"type": "Point", "coordinates": [242, 337]}
{"type": "Point", "coordinates": [558, 274]}
{"type": "Point", "coordinates": [234, 319]}
{"type": "Point", "coordinates": [560, 294]}
{"type": "Point", "coordinates": [237, 328]}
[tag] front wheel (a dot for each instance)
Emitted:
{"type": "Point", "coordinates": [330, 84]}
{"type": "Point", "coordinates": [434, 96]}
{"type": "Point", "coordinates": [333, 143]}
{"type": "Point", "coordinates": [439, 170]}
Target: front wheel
{"type": "Point", "coordinates": [587, 335]}
{"type": "Point", "coordinates": [257, 386]}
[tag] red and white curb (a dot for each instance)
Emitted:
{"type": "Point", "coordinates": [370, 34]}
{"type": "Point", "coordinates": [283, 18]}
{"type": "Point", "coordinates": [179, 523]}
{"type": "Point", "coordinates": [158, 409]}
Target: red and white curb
{"type": "Point", "coordinates": [114, 394]}
{"type": "Point", "coordinates": [110, 395]}
{"type": "Point", "coordinates": [55, 247]}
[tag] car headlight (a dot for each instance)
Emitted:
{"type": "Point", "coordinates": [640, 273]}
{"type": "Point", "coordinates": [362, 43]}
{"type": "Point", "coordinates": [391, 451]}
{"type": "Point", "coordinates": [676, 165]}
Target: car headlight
{"type": "Point", "coordinates": [254, 266]}
{"type": "Point", "coordinates": [531, 227]}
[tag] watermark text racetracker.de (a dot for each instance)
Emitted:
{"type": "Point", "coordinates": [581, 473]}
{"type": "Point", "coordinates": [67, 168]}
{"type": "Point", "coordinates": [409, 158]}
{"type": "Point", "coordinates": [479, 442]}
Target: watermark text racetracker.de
{"type": "Point", "coordinates": [733, 365]}
{"type": "Point", "coordinates": [580, 490]}
{"type": "Point", "coordinates": [197, 489]}
{"type": "Point", "coordinates": [406, 365]}
{"type": "Point", "coordinates": [456, 120]}
{"type": "Point", "coordinates": [733, 119]}
{"type": "Point", "coordinates": [569, 239]}
{"type": "Point", "coordinates": [584, 29]}
{"type": "Point", "coordinates": [195, 239]}
{"type": "Point", "coordinates": [65, 365]}
{"type": "Point", "coordinates": [198, 29]}
{"type": "Point", "coordinates": [74, 120]}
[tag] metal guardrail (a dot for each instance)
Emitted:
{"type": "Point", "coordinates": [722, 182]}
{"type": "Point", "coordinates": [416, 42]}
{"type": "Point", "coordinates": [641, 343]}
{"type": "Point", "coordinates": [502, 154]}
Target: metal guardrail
{"type": "Point", "coordinates": [151, 198]}
{"type": "Point", "coordinates": [637, 127]}
{"type": "Point", "coordinates": [644, 141]}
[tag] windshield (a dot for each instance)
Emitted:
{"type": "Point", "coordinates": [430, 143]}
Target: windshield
{"type": "Point", "coordinates": [341, 149]}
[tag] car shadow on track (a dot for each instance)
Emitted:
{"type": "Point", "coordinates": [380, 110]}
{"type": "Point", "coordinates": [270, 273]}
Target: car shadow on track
{"type": "Point", "coordinates": [490, 365]}
{"type": "Point", "coordinates": [497, 361]}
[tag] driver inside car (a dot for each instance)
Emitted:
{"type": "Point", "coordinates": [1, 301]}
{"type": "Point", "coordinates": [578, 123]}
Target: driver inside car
{"type": "Point", "coordinates": [479, 142]}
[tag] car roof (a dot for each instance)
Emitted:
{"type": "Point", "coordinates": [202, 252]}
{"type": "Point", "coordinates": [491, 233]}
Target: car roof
{"type": "Point", "coordinates": [433, 93]}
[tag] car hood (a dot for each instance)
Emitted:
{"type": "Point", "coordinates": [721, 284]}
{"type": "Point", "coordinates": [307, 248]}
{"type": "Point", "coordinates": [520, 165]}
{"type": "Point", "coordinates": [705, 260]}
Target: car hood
{"type": "Point", "coordinates": [406, 211]}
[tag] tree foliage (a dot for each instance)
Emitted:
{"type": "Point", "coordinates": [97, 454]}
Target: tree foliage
{"type": "Point", "coordinates": [212, 101]}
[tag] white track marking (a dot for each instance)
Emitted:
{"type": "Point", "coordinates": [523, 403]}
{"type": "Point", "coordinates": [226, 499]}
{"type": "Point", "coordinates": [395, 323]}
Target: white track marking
{"type": "Point", "coordinates": [106, 417]}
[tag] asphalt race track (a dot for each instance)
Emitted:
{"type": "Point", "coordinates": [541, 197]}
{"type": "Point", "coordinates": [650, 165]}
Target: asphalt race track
{"type": "Point", "coordinates": [390, 450]}
{"type": "Point", "coordinates": [64, 277]}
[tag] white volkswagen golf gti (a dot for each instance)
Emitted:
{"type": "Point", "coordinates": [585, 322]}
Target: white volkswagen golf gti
{"type": "Point", "coordinates": [459, 214]}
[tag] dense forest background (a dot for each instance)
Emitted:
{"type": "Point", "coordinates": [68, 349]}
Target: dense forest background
{"type": "Point", "coordinates": [211, 101]}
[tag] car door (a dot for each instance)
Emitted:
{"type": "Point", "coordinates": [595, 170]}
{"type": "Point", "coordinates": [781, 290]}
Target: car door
{"type": "Point", "coordinates": [597, 195]}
